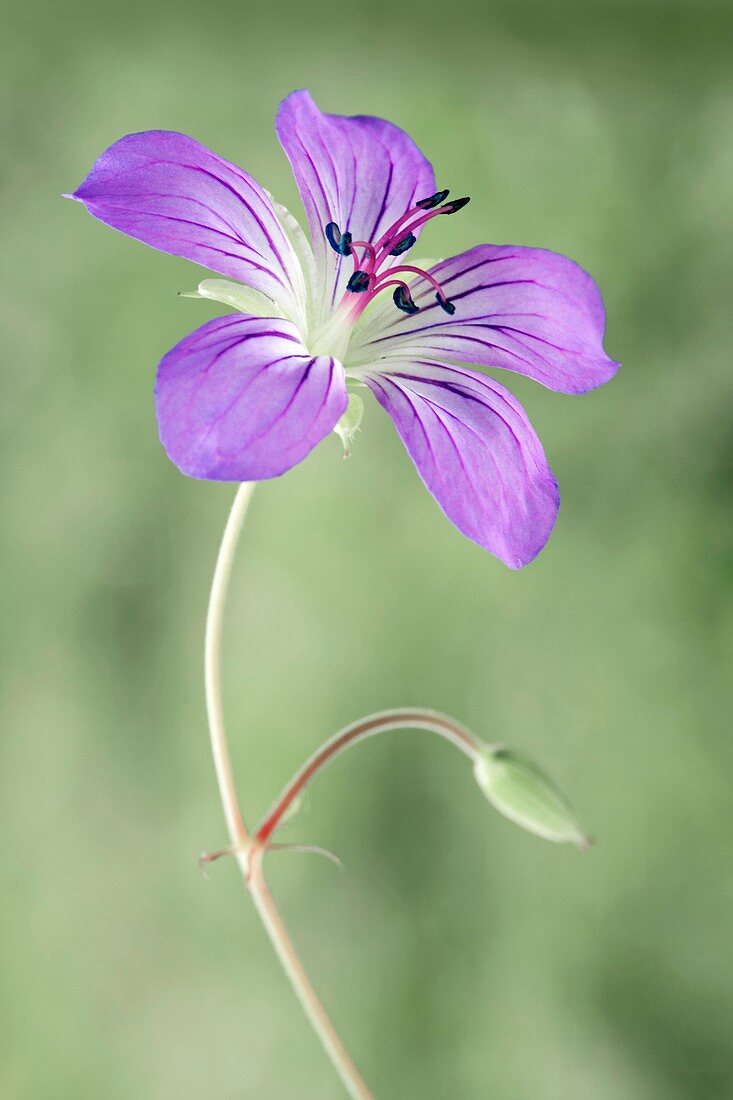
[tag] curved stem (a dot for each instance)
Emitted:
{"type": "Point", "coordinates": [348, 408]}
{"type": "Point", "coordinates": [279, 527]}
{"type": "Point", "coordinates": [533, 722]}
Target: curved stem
{"type": "Point", "coordinates": [249, 851]}
{"type": "Point", "coordinates": [401, 718]}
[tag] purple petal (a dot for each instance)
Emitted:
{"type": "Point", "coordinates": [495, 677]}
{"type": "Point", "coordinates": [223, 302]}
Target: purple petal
{"type": "Point", "coordinates": [525, 309]}
{"type": "Point", "coordinates": [477, 453]}
{"type": "Point", "coordinates": [362, 173]}
{"type": "Point", "coordinates": [172, 193]}
{"type": "Point", "coordinates": [240, 399]}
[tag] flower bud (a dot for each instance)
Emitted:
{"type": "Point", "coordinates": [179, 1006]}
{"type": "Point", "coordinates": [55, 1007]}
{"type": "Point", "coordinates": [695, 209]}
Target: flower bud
{"type": "Point", "coordinates": [348, 425]}
{"type": "Point", "coordinates": [524, 794]}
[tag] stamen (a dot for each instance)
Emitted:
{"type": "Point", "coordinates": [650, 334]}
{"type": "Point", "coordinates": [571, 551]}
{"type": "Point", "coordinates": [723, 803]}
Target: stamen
{"type": "Point", "coordinates": [412, 271]}
{"type": "Point", "coordinates": [404, 245]}
{"type": "Point", "coordinates": [445, 304]}
{"type": "Point", "coordinates": [433, 200]}
{"type": "Point", "coordinates": [455, 205]}
{"type": "Point", "coordinates": [403, 300]}
{"type": "Point", "coordinates": [451, 207]}
{"type": "Point", "coordinates": [340, 242]}
{"type": "Point", "coordinates": [359, 282]}
{"type": "Point", "coordinates": [391, 233]}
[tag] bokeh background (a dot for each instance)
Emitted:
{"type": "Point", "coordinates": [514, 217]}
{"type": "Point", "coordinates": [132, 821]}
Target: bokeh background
{"type": "Point", "coordinates": [461, 957]}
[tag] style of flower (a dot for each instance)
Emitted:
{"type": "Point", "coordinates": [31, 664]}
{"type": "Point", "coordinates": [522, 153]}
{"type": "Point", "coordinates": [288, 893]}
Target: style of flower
{"type": "Point", "coordinates": [248, 395]}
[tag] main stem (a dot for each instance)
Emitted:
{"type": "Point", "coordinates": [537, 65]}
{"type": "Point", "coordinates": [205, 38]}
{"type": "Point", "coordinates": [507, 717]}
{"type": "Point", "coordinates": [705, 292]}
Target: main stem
{"type": "Point", "coordinates": [212, 667]}
{"type": "Point", "coordinates": [248, 850]}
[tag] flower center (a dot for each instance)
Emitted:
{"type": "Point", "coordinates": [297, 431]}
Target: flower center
{"type": "Point", "coordinates": [368, 279]}
{"type": "Point", "coordinates": [371, 276]}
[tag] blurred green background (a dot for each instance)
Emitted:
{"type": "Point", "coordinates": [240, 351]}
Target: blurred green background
{"type": "Point", "coordinates": [461, 957]}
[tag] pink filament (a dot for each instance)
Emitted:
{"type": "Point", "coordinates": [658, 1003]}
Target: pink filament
{"type": "Point", "coordinates": [383, 251]}
{"type": "Point", "coordinates": [384, 285]}
{"type": "Point", "coordinates": [379, 285]}
{"type": "Point", "coordinates": [414, 212]}
{"type": "Point", "coordinates": [369, 250]}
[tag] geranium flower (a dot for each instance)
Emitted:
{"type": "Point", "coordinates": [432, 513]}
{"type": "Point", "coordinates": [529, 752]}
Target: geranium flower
{"type": "Point", "coordinates": [249, 395]}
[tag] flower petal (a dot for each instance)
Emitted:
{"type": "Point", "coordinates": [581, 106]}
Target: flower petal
{"type": "Point", "coordinates": [362, 173]}
{"type": "Point", "coordinates": [240, 399]}
{"type": "Point", "coordinates": [525, 309]}
{"type": "Point", "coordinates": [172, 193]}
{"type": "Point", "coordinates": [477, 453]}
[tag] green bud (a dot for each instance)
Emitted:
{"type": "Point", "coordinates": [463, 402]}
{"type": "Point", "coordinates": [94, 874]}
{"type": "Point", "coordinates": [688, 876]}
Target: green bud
{"type": "Point", "coordinates": [524, 794]}
{"type": "Point", "coordinates": [348, 425]}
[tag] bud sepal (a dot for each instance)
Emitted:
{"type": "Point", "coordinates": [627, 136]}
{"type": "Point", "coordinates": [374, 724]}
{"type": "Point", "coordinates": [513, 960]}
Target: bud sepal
{"type": "Point", "coordinates": [521, 791]}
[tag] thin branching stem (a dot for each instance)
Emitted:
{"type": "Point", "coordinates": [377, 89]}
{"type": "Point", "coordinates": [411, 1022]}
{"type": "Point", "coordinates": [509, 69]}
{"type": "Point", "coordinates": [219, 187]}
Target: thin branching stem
{"type": "Point", "coordinates": [247, 850]}
{"type": "Point", "coordinates": [401, 718]}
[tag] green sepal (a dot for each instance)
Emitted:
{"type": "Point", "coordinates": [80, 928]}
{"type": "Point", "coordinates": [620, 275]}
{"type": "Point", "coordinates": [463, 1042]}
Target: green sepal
{"type": "Point", "coordinates": [242, 298]}
{"type": "Point", "coordinates": [522, 792]}
{"type": "Point", "coordinates": [350, 421]}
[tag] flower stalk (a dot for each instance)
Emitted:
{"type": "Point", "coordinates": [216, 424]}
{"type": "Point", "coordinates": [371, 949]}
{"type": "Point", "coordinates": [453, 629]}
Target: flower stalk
{"type": "Point", "coordinates": [401, 718]}
{"type": "Point", "coordinates": [238, 834]}
{"type": "Point", "coordinates": [248, 850]}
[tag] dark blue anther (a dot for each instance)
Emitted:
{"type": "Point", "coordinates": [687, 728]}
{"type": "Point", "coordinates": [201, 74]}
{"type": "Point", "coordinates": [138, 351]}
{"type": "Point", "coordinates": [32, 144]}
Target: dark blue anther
{"type": "Point", "coordinates": [456, 204]}
{"type": "Point", "coordinates": [403, 301]}
{"type": "Point", "coordinates": [358, 282]}
{"type": "Point", "coordinates": [406, 243]}
{"type": "Point", "coordinates": [445, 304]}
{"type": "Point", "coordinates": [433, 200]}
{"type": "Point", "coordinates": [340, 242]}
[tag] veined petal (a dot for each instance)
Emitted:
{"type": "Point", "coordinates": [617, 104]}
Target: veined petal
{"type": "Point", "coordinates": [240, 399]}
{"type": "Point", "coordinates": [362, 173]}
{"type": "Point", "coordinates": [476, 451]}
{"type": "Point", "coordinates": [172, 193]}
{"type": "Point", "coordinates": [524, 309]}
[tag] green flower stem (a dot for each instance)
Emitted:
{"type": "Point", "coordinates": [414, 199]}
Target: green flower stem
{"type": "Point", "coordinates": [247, 850]}
{"type": "Point", "coordinates": [212, 667]}
{"type": "Point", "coordinates": [293, 967]}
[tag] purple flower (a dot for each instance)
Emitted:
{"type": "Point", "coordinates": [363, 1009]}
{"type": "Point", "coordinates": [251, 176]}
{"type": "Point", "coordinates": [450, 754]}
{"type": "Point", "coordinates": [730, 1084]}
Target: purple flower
{"type": "Point", "coordinates": [249, 395]}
